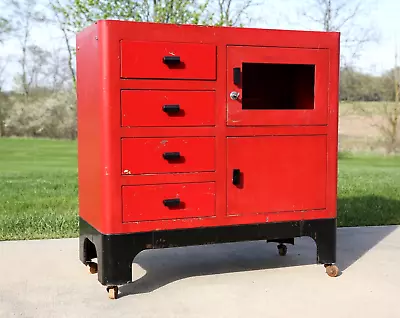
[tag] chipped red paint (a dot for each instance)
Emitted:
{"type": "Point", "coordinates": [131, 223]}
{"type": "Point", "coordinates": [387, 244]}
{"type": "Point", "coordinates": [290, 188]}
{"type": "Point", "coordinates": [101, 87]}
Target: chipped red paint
{"type": "Point", "coordinates": [287, 158]}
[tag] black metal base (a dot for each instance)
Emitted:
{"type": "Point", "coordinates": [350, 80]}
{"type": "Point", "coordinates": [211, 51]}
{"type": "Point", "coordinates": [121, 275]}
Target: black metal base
{"type": "Point", "coordinates": [115, 253]}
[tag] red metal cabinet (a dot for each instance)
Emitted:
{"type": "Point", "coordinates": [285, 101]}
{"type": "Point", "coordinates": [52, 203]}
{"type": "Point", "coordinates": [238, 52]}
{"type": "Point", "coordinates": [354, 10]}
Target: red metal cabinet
{"type": "Point", "coordinates": [192, 135]}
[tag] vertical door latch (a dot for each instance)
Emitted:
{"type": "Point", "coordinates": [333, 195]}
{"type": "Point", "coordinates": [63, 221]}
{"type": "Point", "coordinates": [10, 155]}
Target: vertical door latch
{"type": "Point", "coordinates": [236, 76]}
{"type": "Point", "coordinates": [236, 177]}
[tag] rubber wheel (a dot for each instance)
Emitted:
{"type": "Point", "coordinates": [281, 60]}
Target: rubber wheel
{"type": "Point", "coordinates": [112, 292]}
{"type": "Point", "coordinates": [282, 249]}
{"type": "Point", "coordinates": [92, 267]}
{"type": "Point", "coordinates": [332, 270]}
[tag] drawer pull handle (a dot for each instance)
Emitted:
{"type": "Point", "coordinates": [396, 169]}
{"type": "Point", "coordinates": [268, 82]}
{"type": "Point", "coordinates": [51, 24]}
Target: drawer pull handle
{"type": "Point", "coordinates": [171, 203]}
{"type": "Point", "coordinates": [171, 60]}
{"type": "Point", "coordinates": [171, 155]}
{"type": "Point", "coordinates": [171, 109]}
{"type": "Point", "coordinates": [236, 177]}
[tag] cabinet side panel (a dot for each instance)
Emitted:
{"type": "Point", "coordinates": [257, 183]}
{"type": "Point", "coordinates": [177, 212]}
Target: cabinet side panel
{"type": "Point", "coordinates": [332, 173]}
{"type": "Point", "coordinates": [89, 127]}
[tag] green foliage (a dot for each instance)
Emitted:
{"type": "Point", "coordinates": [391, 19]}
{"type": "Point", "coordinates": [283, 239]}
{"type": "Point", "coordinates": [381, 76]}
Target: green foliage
{"type": "Point", "coordinates": [357, 86]}
{"type": "Point", "coordinates": [81, 13]}
{"type": "Point", "coordinates": [41, 114]}
{"type": "Point", "coordinates": [5, 28]}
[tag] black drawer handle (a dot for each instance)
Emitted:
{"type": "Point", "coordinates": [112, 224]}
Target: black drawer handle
{"type": "Point", "coordinates": [171, 155]}
{"type": "Point", "coordinates": [236, 177]}
{"type": "Point", "coordinates": [171, 60]}
{"type": "Point", "coordinates": [171, 203]}
{"type": "Point", "coordinates": [171, 109]}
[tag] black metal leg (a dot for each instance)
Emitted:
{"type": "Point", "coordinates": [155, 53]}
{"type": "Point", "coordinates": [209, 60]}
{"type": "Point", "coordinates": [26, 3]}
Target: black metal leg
{"type": "Point", "coordinates": [324, 234]}
{"type": "Point", "coordinates": [116, 258]}
{"type": "Point", "coordinates": [87, 249]}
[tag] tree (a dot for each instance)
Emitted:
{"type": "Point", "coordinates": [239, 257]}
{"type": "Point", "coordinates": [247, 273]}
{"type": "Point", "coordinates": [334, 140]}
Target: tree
{"type": "Point", "coordinates": [390, 127]}
{"type": "Point", "coordinates": [5, 28]}
{"type": "Point", "coordinates": [62, 22]}
{"type": "Point", "coordinates": [387, 121]}
{"type": "Point", "coordinates": [345, 16]}
{"type": "Point", "coordinates": [4, 103]}
{"type": "Point", "coordinates": [231, 13]}
{"type": "Point", "coordinates": [5, 24]}
{"type": "Point", "coordinates": [78, 14]}
{"type": "Point", "coordinates": [25, 14]}
{"type": "Point", "coordinates": [358, 86]}
{"type": "Point", "coordinates": [33, 61]}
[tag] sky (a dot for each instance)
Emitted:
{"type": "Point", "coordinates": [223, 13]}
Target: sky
{"type": "Point", "coordinates": [376, 57]}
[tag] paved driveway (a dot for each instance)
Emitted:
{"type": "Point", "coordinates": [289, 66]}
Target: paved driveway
{"type": "Point", "coordinates": [45, 279]}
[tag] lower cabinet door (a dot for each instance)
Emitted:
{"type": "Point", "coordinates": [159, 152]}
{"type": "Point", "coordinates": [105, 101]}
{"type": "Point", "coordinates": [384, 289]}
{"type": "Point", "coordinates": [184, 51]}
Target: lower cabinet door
{"type": "Point", "coordinates": [168, 201]}
{"type": "Point", "coordinates": [276, 174]}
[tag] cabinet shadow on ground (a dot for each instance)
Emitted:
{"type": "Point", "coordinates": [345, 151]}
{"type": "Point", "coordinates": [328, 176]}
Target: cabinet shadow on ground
{"type": "Point", "coordinates": [165, 266]}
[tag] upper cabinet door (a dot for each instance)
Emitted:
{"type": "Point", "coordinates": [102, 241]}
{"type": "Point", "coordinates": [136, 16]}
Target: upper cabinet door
{"type": "Point", "coordinates": [277, 86]}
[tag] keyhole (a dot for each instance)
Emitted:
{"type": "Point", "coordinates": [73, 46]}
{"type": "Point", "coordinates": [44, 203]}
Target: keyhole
{"type": "Point", "coordinates": [234, 95]}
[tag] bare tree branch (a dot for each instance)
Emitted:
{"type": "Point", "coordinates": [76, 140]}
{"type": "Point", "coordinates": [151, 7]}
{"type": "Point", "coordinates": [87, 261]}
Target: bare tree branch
{"type": "Point", "coordinates": [343, 16]}
{"type": "Point", "coordinates": [63, 27]}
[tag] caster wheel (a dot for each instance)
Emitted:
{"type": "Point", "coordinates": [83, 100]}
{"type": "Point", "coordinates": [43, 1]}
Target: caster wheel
{"type": "Point", "coordinates": [331, 270]}
{"type": "Point", "coordinates": [92, 267]}
{"type": "Point", "coordinates": [112, 292]}
{"type": "Point", "coordinates": [282, 249]}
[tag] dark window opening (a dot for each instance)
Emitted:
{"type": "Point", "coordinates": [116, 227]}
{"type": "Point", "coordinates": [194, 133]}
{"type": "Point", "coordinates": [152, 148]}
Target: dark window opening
{"type": "Point", "coordinates": [277, 86]}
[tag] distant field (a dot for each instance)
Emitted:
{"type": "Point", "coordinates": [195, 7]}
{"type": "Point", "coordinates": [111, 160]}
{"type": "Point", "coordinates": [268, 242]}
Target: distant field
{"type": "Point", "coordinates": [38, 189]}
{"type": "Point", "coordinates": [359, 124]}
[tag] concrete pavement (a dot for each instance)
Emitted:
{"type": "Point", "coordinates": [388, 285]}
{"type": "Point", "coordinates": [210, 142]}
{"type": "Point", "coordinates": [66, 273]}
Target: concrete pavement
{"type": "Point", "coordinates": [45, 279]}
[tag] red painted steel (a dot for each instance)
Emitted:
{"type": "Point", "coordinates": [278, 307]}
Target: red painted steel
{"type": "Point", "coordinates": [282, 135]}
{"type": "Point", "coordinates": [144, 108]}
{"type": "Point", "coordinates": [290, 174]}
{"type": "Point", "coordinates": [146, 155]}
{"type": "Point", "coordinates": [145, 60]}
{"type": "Point", "coordinates": [145, 203]}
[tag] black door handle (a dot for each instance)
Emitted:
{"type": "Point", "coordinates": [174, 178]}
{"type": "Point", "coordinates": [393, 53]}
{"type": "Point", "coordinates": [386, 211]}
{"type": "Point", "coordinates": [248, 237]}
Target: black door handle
{"type": "Point", "coordinates": [171, 155]}
{"type": "Point", "coordinates": [171, 60]}
{"type": "Point", "coordinates": [236, 176]}
{"type": "Point", "coordinates": [171, 109]}
{"type": "Point", "coordinates": [236, 76]}
{"type": "Point", "coordinates": [171, 203]}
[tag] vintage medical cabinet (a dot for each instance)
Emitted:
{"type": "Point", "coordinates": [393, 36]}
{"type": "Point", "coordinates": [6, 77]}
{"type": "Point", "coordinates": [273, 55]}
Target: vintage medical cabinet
{"type": "Point", "coordinates": [191, 135]}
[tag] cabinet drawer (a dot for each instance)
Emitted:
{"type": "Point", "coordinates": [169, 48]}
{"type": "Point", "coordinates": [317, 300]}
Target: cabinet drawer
{"type": "Point", "coordinates": [168, 201]}
{"type": "Point", "coordinates": [165, 60]}
{"type": "Point", "coordinates": [167, 155]}
{"type": "Point", "coordinates": [164, 108]}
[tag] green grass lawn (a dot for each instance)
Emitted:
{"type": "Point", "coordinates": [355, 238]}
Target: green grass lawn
{"type": "Point", "coordinates": [38, 189]}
